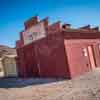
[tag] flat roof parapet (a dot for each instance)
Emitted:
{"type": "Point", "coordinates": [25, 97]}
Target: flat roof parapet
{"type": "Point", "coordinates": [95, 28]}
{"type": "Point", "coordinates": [66, 26]}
{"type": "Point", "coordinates": [32, 21]}
{"type": "Point", "coordinates": [87, 27]}
{"type": "Point", "coordinates": [54, 27]}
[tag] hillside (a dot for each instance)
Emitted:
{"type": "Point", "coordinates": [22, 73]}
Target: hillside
{"type": "Point", "coordinates": [5, 50]}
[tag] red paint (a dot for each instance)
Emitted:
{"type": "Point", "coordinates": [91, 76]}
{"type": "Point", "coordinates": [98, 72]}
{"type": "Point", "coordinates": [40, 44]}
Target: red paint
{"type": "Point", "coordinates": [51, 57]}
{"type": "Point", "coordinates": [50, 60]}
{"type": "Point", "coordinates": [54, 27]}
{"type": "Point", "coordinates": [44, 58]}
{"type": "Point", "coordinates": [19, 44]}
{"type": "Point", "coordinates": [64, 52]}
{"type": "Point", "coordinates": [78, 63]}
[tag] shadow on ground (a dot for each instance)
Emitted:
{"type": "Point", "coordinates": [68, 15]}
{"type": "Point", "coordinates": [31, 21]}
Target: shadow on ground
{"type": "Point", "coordinates": [18, 83]}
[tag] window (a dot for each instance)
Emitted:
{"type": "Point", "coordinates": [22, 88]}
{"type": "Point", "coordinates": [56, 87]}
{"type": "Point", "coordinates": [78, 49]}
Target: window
{"type": "Point", "coordinates": [30, 37]}
{"type": "Point", "coordinates": [99, 46]}
{"type": "Point", "coordinates": [85, 52]}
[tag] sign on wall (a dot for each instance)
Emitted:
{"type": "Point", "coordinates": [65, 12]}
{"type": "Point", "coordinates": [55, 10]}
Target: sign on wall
{"type": "Point", "coordinates": [34, 33]}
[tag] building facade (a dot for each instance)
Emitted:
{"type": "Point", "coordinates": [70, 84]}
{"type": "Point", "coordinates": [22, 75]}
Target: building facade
{"type": "Point", "coordinates": [1, 68]}
{"type": "Point", "coordinates": [57, 50]}
{"type": "Point", "coordinates": [8, 66]}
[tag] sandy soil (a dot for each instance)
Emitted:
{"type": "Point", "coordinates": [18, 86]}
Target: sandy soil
{"type": "Point", "coordinates": [86, 87]}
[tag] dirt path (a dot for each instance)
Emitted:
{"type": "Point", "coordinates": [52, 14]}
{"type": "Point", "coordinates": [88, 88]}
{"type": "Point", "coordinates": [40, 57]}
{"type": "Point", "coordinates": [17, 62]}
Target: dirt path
{"type": "Point", "coordinates": [86, 87]}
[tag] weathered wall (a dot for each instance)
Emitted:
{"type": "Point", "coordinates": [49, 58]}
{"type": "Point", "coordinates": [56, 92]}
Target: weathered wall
{"type": "Point", "coordinates": [79, 63]}
{"type": "Point", "coordinates": [34, 33]}
{"type": "Point", "coordinates": [51, 57]}
{"type": "Point", "coordinates": [19, 44]}
{"type": "Point", "coordinates": [10, 67]}
{"type": "Point", "coordinates": [32, 21]}
{"type": "Point", "coordinates": [21, 64]}
{"type": "Point", "coordinates": [2, 74]}
{"type": "Point", "coordinates": [54, 27]}
{"type": "Point", "coordinates": [44, 58]}
{"type": "Point", "coordinates": [31, 61]}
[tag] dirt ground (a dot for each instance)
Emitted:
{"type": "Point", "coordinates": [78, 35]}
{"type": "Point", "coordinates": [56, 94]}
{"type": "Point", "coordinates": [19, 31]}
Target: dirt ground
{"type": "Point", "coordinates": [86, 87]}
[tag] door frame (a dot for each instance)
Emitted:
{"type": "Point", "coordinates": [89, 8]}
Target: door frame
{"type": "Point", "coordinates": [91, 56]}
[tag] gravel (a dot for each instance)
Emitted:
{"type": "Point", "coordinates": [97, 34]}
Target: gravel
{"type": "Point", "coordinates": [85, 87]}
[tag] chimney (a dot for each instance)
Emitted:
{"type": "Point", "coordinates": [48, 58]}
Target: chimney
{"type": "Point", "coordinates": [22, 37]}
{"type": "Point", "coordinates": [19, 44]}
{"type": "Point", "coordinates": [31, 22]}
{"type": "Point", "coordinates": [66, 26]}
{"type": "Point", "coordinates": [54, 27]}
{"type": "Point", "coordinates": [46, 22]}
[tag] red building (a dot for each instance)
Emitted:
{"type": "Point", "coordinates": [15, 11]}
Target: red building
{"type": "Point", "coordinates": [55, 50]}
